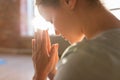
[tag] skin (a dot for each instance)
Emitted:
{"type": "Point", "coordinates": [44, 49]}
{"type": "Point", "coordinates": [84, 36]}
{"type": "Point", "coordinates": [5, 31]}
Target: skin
{"type": "Point", "coordinates": [74, 20]}
{"type": "Point", "coordinates": [45, 55]}
{"type": "Point", "coordinates": [83, 18]}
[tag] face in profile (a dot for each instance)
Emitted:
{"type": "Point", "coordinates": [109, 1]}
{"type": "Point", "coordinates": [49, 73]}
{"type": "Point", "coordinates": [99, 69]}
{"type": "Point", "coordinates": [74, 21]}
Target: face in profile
{"type": "Point", "coordinates": [62, 18]}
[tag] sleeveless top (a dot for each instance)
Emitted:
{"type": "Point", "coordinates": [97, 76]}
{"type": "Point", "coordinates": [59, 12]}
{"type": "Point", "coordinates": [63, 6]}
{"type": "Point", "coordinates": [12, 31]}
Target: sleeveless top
{"type": "Point", "coordinates": [95, 59]}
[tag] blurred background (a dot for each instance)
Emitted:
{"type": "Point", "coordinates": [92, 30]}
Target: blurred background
{"type": "Point", "coordinates": [17, 21]}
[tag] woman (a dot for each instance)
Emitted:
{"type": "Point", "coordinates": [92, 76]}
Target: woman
{"type": "Point", "coordinates": [88, 59]}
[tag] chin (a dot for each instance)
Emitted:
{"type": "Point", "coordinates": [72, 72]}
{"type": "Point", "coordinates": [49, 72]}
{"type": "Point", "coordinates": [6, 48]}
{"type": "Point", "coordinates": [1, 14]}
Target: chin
{"type": "Point", "coordinates": [75, 41]}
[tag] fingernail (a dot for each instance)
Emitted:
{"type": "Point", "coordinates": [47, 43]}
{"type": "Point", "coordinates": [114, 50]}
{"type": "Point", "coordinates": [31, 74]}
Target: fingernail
{"type": "Point", "coordinates": [56, 46]}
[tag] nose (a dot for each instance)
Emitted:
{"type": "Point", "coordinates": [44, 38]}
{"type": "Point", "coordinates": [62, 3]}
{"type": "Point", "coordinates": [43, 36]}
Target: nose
{"type": "Point", "coordinates": [57, 33]}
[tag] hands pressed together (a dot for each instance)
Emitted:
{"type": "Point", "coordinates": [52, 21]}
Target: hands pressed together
{"type": "Point", "coordinates": [44, 55]}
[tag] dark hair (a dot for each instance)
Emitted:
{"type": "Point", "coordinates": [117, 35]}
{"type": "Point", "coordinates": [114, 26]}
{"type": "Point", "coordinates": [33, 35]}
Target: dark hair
{"type": "Point", "coordinates": [47, 2]}
{"type": "Point", "coordinates": [55, 3]}
{"type": "Point", "coordinates": [93, 2]}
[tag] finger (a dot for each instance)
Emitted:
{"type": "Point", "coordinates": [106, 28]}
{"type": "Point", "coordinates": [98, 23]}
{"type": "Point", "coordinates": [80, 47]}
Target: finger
{"type": "Point", "coordinates": [53, 55]}
{"type": "Point", "coordinates": [54, 51]}
{"type": "Point", "coordinates": [33, 49]}
{"type": "Point", "coordinates": [33, 45]}
{"type": "Point", "coordinates": [35, 37]}
{"type": "Point", "coordinates": [48, 41]}
{"type": "Point", "coordinates": [44, 43]}
{"type": "Point", "coordinates": [39, 37]}
{"type": "Point", "coordinates": [57, 57]}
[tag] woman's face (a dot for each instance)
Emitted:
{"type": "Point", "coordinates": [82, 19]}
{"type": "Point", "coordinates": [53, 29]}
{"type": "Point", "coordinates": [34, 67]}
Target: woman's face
{"type": "Point", "coordinates": [62, 19]}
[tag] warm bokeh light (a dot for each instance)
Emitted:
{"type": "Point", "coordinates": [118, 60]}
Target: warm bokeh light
{"type": "Point", "coordinates": [40, 23]}
{"type": "Point", "coordinates": [113, 4]}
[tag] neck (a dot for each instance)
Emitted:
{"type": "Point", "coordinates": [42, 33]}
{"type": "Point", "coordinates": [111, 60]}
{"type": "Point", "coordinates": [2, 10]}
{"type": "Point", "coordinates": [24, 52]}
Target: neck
{"type": "Point", "coordinates": [97, 21]}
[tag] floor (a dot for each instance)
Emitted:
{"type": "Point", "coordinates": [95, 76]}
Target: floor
{"type": "Point", "coordinates": [16, 67]}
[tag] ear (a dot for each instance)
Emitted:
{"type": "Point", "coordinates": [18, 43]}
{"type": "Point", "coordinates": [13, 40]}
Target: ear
{"type": "Point", "coordinates": [70, 3]}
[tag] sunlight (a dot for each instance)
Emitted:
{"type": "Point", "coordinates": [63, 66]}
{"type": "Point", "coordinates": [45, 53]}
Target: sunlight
{"type": "Point", "coordinates": [40, 23]}
{"type": "Point", "coordinates": [113, 4]}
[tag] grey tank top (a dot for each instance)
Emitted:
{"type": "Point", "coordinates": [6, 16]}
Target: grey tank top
{"type": "Point", "coordinates": [95, 59]}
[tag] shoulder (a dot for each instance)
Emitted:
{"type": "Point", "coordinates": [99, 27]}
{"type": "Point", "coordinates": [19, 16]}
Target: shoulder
{"type": "Point", "coordinates": [90, 59]}
{"type": "Point", "coordinates": [80, 62]}
{"type": "Point", "coordinates": [101, 46]}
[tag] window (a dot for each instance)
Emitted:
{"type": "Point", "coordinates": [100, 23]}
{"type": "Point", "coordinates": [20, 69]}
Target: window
{"type": "Point", "coordinates": [113, 6]}
{"type": "Point", "coordinates": [41, 23]}
{"type": "Point", "coordinates": [30, 18]}
{"type": "Point", "coordinates": [26, 10]}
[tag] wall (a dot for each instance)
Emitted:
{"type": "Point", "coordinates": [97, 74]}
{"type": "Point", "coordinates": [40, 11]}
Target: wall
{"type": "Point", "coordinates": [10, 39]}
{"type": "Point", "coordinates": [9, 23]}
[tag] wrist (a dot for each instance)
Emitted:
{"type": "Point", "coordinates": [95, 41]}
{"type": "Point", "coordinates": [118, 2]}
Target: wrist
{"type": "Point", "coordinates": [51, 75]}
{"type": "Point", "coordinates": [40, 76]}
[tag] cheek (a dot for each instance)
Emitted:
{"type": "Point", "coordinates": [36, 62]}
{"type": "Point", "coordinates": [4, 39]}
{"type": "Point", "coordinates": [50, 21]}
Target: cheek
{"type": "Point", "coordinates": [61, 28]}
{"type": "Point", "coordinates": [61, 24]}
{"type": "Point", "coordinates": [66, 32]}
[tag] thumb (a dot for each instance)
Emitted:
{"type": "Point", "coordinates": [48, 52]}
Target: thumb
{"type": "Point", "coordinates": [54, 50]}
